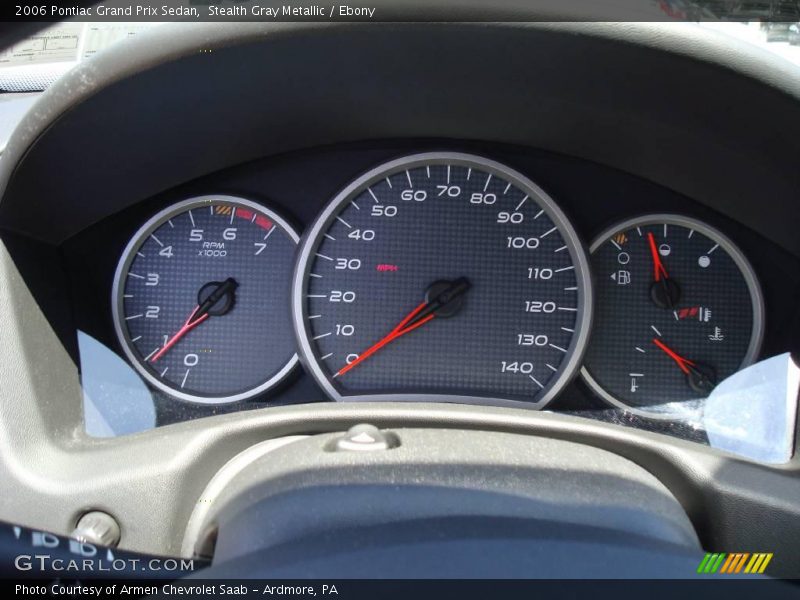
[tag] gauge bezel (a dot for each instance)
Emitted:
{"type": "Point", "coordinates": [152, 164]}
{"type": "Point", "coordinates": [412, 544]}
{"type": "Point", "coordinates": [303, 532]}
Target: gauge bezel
{"type": "Point", "coordinates": [117, 289]}
{"type": "Point", "coordinates": [577, 250]}
{"type": "Point", "coordinates": [756, 298]}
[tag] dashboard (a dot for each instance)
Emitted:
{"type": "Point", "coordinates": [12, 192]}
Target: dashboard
{"type": "Point", "coordinates": [547, 282]}
{"type": "Point", "coordinates": [225, 237]}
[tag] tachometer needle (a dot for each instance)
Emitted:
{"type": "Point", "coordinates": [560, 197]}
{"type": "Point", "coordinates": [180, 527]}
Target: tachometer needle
{"type": "Point", "coordinates": [445, 297]}
{"type": "Point", "coordinates": [198, 315]}
{"type": "Point", "coordinates": [664, 292]}
{"type": "Point", "coordinates": [701, 378]}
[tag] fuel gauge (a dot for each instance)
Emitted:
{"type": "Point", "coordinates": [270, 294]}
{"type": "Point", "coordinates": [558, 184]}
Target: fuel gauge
{"type": "Point", "coordinates": [678, 309]}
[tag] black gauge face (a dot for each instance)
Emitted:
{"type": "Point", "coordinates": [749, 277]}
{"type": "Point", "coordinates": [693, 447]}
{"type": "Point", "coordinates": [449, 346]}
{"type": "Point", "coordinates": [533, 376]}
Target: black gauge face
{"type": "Point", "coordinates": [200, 300]}
{"type": "Point", "coordinates": [678, 310]}
{"type": "Point", "coordinates": [442, 276]}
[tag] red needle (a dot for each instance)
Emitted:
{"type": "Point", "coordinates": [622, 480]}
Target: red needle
{"type": "Point", "coordinates": [658, 266]}
{"type": "Point", "coordinates": [683, 363]}
{"type": "Point", "coordinates": [186, 328]}
{"type": "Point", "coordinates": [395, 333]}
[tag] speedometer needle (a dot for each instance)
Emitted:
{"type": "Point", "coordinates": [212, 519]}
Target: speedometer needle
{"type": "Point", "coordinates": [445, 298]}
{"type": "Point", "coordinates": [200, 313]}
{"type": "Point", "coordinates": [700, 377]}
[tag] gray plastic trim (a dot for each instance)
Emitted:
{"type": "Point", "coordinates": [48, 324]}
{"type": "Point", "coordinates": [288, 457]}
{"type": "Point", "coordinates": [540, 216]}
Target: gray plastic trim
{"type": "Point", "coordinates": [430, 474]}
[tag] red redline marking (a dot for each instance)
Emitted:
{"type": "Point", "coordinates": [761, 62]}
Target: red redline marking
{"type": "Point", "coordinates": [263, 222]}
{"type": "Point", "coordinates": [243, 213]}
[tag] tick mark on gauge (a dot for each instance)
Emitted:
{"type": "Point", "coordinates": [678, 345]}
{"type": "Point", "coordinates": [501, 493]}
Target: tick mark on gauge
{"type": "Point", "coordinates": [325, 257]}
{"type": "Point", "coordinates": [134, 275]}
{"type": "Point", "coordinates": [269, 233]}
{"type": "Point", "coordinates": [568, 330]}
{"type": "Point", "coordinates": [428, 171]}
{"type": "Point", "coordinates": [315, 275]}
{"type": "Point", "coordinates": [640, 350]}
{"type": "Point", "coordinates": [536, 381]}
{"type": "Point", "coordinates": [615, 244]}
{"type": "Point", "coordinates": [171, 226]}
{"type": "Point", "coordinates": [127, 295]}
{"type": "Point", "coordinates": [559, 348]}
{"type": "Point", "coordinates": [448, 174]}
{"type": "Point", "coordinates": [639, 231]}
{"type": "Point", "coordinates": [191, 218]}
{"type": "Point", "coordinates": [538, 214]}
{"type": "Point", "coordinates": [319, 337]}
{"type": "Point", "coordinates": [564, 269]}
{"type": "Point", "coordinates": [551, 367]}
{"type": "Point", "coordinates": [146, 358]}
{"type": "Point", "coordinates": [327, 356]}
{"type": "Point", "coordinates": [185, 377]}
{"type": "Point", "coordinates": [568, 309]}
{"type": "Point", "coordinates": [571, 288]}
{"type": "Point", "coordinates": [521, 202]}
{"type": "Point", "coordinates": [314, 316]}
{"type": "Point", "coordinates": [486, 185]}
{"type": "Point", "coordinates": [548, 232]}
{"type": "Point", "coordinates": [560, 249]}
{"type": "Point", "coordinates": [343, 222]}
{"type": "Point", "coordinates": [408, 176]}
{"type": "Point", "coordinates": [374, 197]}
{"type": "Point", "coordinates": [356, 206]}
{"type": "Point", "coordinates": [139, 254]}
{"type": "Point", "coordinates": [137, 338]}
{"type": "Point", "coordinates": [132, 317]}
{"type": "Point", "coordinates": [164, 372]}
{"type": "Point", "coordinates": [330, 237]}
{"type": "Point", "coordinates": [653, 327]}
{"type": "Point", "coordinates": [508, 187]}
{"type": "Point", "coordinates": [713, 248]}
{"type": "Point", "coordinates": [469, 173]}
{"type": "Point", "coordinates": [389, 183]}
{"type": "Point", "coordinates": [317, 296]}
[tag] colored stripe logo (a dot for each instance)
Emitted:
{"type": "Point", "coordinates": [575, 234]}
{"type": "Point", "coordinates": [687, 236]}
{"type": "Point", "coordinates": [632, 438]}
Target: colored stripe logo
{"type": "Point", "coordinates": [733, 563]}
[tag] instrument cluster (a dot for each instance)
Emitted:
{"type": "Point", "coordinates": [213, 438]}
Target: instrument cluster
{"type": "Point", "coordinates": [439, 276]}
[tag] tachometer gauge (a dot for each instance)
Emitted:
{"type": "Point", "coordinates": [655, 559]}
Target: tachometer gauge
{"type": "Point", "coordinates": [442, 276]}
{"type": "Point", "coordinates": [678, 310]}
{"type": "Point", "coordinates": [200, 300]}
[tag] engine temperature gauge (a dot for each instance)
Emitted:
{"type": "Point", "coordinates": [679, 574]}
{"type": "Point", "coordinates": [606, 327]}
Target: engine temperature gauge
{"type": "Point", "coordinates": [678, 310]}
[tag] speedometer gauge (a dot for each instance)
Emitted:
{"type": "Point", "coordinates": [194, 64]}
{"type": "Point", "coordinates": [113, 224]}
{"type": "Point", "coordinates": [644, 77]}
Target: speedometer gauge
{"type": "Point", "coordinates": [200, 300]}
{"type": "Point", "coordinates": [678, 310]}
{"type": "Point", "coordinates": [442, 276]}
